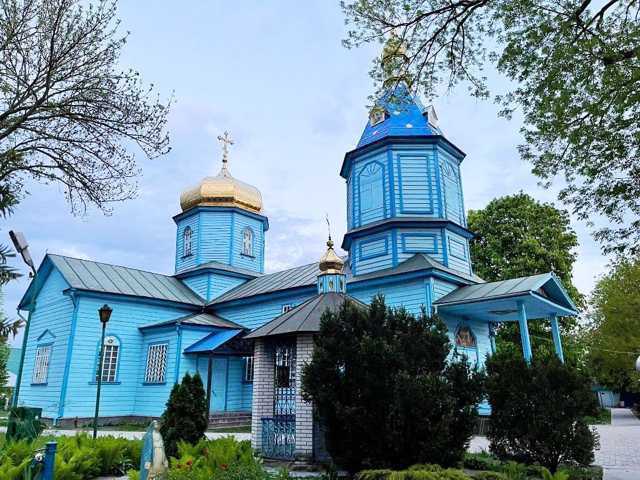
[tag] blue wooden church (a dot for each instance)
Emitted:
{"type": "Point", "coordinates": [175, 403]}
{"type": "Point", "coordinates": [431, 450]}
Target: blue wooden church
{"type": "Point", "coordinates": [247, 332]}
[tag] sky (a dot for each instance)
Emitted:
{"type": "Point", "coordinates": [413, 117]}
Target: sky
{"type": "Point", "coordinates": [276, 76]}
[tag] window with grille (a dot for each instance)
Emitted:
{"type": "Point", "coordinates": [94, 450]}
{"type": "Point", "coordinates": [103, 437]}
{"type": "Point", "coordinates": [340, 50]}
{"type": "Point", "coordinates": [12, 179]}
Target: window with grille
{"type": "Point", "coordinates": [156, 363]}
{"type": "Point", "coordinates": [248, 369]}
{"type": "Point", "coordinates": [109, 359]}
{"type": "Point", "coordinates": [41, 367]}
{"type": "Point", "coordinates": [187, 242]}
{"type": "Point", "coordinates": [247, 242]}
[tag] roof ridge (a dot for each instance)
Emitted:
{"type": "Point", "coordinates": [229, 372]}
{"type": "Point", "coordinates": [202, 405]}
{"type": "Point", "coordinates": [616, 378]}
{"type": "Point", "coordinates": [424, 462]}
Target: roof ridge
{"type": "Point", "coordinates": [109, 264]}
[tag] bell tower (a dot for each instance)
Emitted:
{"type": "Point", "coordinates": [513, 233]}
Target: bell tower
{"type": "Point", "coordinates": [404, 190]}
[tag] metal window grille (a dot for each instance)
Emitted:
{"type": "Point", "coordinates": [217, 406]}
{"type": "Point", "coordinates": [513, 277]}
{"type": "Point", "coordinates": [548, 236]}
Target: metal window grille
{"type": "Point", "coordinates": [109, 360]}
{"type": "Point", "coordinates": [156, 363]}
{"type": "Point", "coordinates": [186, 242]}
{"type": "Point", "coordinates": [285, 380]}
{"type": "Point", "coordinates": [248, 369]}
{"type": "Point", "coordinates": [247, 242]}
{"type": "Point", "coordinates": [41, 367]}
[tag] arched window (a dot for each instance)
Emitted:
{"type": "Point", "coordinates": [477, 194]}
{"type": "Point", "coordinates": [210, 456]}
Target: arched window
{"type": "Point", "coordinates": [247, 242]}
{"type": "Point", "coordinates": [371, 189]}
{"type": "Point", "coordinates": [187, 242]}
{"type": "Point", "coordinates": [109, 359]}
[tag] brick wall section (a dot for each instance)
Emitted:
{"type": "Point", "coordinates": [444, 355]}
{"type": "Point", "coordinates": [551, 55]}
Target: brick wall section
{"type": "Point", "coordinates": [263, 389]}
{"type": "Point", "coordinates": [304, 410]}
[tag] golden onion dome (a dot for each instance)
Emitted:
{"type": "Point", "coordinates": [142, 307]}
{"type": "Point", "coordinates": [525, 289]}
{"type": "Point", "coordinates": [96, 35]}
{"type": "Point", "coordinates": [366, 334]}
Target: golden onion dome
{"type": "Point", "coordinates": [222, 190]}
{"type": "Point", "coordinates": [330, 262]}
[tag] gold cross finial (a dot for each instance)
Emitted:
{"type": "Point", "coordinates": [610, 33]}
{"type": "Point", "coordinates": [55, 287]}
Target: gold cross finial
{"type": "Point", "coordinates": [226, 140]}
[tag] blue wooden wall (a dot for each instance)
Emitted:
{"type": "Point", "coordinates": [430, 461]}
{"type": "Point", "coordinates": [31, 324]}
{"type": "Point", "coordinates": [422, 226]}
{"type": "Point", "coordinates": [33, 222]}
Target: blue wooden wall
{"type": "Point", "coordinates": [211, 285]}
{"type": "Point", "coordinates": [400, 181]}
{"type": "Point", "coordinates": [51, 324]}
{"type": "Point", "coordinates": [217, 236]}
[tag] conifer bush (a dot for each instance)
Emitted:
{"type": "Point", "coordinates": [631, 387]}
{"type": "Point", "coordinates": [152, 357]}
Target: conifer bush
{"type": "Point", "coordinates": [538, 412]}
{"type": "Point", "coordinates": [185, 417]}
{"type": "Point", "coordinates": [382, 385]}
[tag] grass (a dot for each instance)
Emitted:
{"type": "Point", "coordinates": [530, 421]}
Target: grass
{"type": "Point", "coordinates": [603, 418]}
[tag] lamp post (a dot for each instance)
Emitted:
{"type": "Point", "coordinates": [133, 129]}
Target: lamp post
{"type": "Point", "coordinates": [104, 313]}
{"type": "Point", "coordinates": [22, 247]}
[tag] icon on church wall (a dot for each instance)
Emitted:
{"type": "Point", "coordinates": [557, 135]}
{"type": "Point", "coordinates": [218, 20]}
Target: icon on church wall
{"type": "Point", "coordinates": [465, 338]}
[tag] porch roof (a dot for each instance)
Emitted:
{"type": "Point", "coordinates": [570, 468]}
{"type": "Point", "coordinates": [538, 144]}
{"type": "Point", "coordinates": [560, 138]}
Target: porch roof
{"type": "Point", "coordinates": [542, 295]}
{"type": "Point", "coordinates": [305, 318]}
{"type": "Point", "coordinates": [212, 342]}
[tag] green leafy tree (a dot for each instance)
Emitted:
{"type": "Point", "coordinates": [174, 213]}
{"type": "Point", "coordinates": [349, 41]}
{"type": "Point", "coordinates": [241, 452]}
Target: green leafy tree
{"type": "Point", "coordinates": [518, 236]}
{"type": "Point", "coordinates": [185, 417]}
{"type": "Point", "coordinates": [69, 115]}
{"type": "Point", "coordinates": [382, 386]}
{"type": "Point", "coordinates": [538, 412]}
{"type": "Point", "coordinates": [614, 336]}
{"type": "Point", "coordinates": [574, 71]}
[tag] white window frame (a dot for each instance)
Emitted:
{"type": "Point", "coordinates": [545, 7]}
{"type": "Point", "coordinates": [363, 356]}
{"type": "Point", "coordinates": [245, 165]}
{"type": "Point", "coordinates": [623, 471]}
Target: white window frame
{"type": "Point", "coordinates": [110, 360]}
{"type": "Point", "coordinates": [247, 242]}
{"type": "Point", "coordinates": [155, 370]}
{"type": "Point", "coordinates": [187, 241]}
{"type": "Point", "coordinates": [41, 364]}
{"type": "Point", "coordinates": [287, 306]}
{"type": "Point", "coordinates": [249, 370]}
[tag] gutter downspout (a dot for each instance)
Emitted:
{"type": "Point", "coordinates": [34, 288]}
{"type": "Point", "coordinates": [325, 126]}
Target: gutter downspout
{"type": "Point", "coordinates": [178, 351]}
{"type": "Point", "coordinates": [24, 351]}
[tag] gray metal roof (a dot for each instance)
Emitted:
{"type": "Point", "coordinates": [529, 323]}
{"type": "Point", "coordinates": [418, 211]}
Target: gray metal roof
{"type": "Point", "coordinates": [220, 266]}
{"type": "Point", "coordinates": [105, 278]}
{"type": "Point", "coordinates": [305, 317]}
{"type": "Point", "coordinates": [306, 276]}
{"type": "Point", "coordinates": [419, 261]}
{"type": "Point", "coordinates": [303, 276]}
{"type": "Point", "coordinates": [201, 319]}
{"type": "Point", "coordinates": [502, 288]}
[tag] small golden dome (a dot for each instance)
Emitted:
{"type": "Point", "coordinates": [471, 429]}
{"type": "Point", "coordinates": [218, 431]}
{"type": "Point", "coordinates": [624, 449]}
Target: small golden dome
{"type": "Point", "coordinates": [330, 262]}
{"type": "Point", "coordinates": [222, 190]}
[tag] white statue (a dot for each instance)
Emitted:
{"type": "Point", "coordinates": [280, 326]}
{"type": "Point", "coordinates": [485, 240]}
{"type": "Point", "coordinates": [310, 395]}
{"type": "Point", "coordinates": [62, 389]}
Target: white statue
{"type": "Point", "coordinates": [154, 460]}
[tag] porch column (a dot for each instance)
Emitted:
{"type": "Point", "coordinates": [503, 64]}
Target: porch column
{"type": "Point", "coordinates": [492, 337]}
{"type": "Point", "coordinates": [209, 383]}
{"type": "Point", "coordinates": [304, 410]}
{"type": "Point", "coordinates": [263, 390]}
{"type": "Point", "coordinates": [524, 332]}
{"type": "Point", "coordinates": [557, 341]}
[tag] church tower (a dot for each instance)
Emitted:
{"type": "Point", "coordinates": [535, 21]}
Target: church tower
{"type": "Point", "coordinates": [404, 192]}
{"type": "Point", "coordinates": [220, 232]}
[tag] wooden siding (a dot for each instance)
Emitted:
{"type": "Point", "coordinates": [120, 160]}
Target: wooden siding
{"type": "Point", "coordinates": [217, 236]}
{"type": "Point", "coordinates": [118, 398]}
{"type": "Point", "coordinates": [410, 295]}
{"type": "Point", "coordinates": [372, 253]}
{"type": "Point", "coordinates": [211, 285]}
{"type": "Point", "coordinates": [452, 186]}
{"type": "Point", "coordinates": [182, 262]}
{"type": "Point", "coordinates": [256, 262]}
{"type": "Point", "coordinates": [253, 315]}
{"type": "Point", "coordinates": [50, 324]}
{"type": "Point", "coordinates": [416, 183]}
{"type": "Point", "coordinates": [457, 252]}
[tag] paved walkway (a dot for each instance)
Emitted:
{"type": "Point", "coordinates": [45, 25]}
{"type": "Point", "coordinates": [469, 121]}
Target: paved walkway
{"type": "Point", "coordinates": [619, 452]}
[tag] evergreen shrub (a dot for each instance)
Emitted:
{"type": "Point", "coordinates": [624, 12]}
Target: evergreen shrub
{"type": "Point", "coordinates": [538, 412]}
{"type": "Point", "coordinates": [185, 417]}
{"type": "Point", "coordinates": [386, 391]}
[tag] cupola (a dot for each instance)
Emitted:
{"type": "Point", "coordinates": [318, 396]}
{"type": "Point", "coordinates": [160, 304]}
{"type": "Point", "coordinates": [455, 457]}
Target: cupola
{"type": "Point", "coordinates": [223, 190]}
{"type": "Point", "coordinates": [331, 277]}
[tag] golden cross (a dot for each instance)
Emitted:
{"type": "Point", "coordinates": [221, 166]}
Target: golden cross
{"type": "Point", "coordinates": [226, 140]}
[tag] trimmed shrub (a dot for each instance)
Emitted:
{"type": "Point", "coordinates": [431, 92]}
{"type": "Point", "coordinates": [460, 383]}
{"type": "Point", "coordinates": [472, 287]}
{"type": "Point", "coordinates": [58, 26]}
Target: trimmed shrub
{"type": "Point", "coordinates": [413, 474]}
{"type": "Point", "coordinates": [185, 418]}
{"type": "Point", "coordinates": [490, 476]}
{"type": "Point", "coordinates": [383, 387]}
{"type": "Point", "coordinates": [538, 412]}
{"type": "Point", "coordinates": [481, 461]}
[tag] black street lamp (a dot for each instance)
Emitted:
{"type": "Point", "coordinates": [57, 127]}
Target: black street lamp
{"type": "Point", "coordinates": [104, 313]}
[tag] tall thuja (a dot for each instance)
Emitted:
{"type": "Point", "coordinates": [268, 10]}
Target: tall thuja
{"type": "Point", "coordinates": [185, 417]}
{"type": "Point", "coordinates": [382, 386]}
